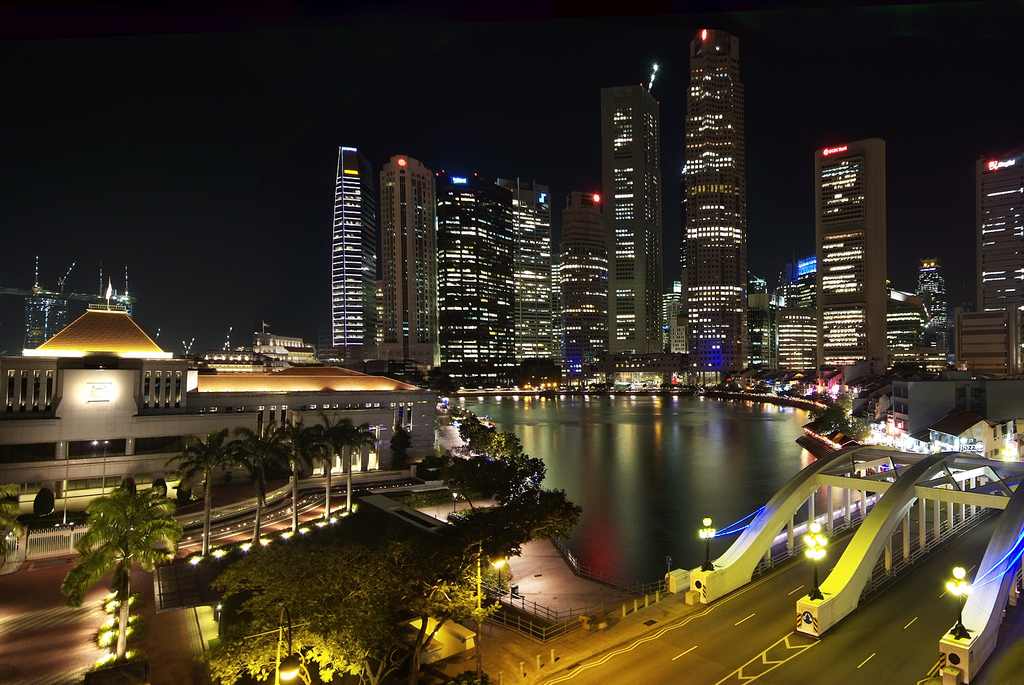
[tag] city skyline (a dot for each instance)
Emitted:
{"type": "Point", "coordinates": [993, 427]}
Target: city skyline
{"type": "Point", "coordinates": [204, 158]}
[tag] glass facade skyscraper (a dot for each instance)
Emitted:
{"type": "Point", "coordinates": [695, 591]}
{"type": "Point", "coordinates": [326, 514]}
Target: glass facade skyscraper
{"type": "Point", "coordinates": [631, 178]}
{"type": "Point", "coordinates": [715, 201]}
{"type": "Point", "coordinates": [476, 287]}
{"type": "Point", "coordinates": [354, 259]}
{"type": "Point", "coordinates": [531, 227]}
{"type": "Point", "coordinates": [1000, 233]}
{"type": "Point", "coordinates": [583, 269]}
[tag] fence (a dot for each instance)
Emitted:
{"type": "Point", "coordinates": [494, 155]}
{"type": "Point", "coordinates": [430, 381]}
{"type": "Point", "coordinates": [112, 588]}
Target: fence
{"type": "Point", "coordinates": [588, 572]}
{"type": "Point", "coordinates": [55, 542]}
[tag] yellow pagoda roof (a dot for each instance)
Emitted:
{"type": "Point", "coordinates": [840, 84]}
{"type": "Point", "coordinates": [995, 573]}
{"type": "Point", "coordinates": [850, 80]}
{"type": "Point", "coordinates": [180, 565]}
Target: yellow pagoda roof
{"type": "Point", "coordinates": [101, 331]}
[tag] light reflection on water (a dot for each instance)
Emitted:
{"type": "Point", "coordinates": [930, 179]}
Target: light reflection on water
{"type": "Point", "coordinates": [647, 469]}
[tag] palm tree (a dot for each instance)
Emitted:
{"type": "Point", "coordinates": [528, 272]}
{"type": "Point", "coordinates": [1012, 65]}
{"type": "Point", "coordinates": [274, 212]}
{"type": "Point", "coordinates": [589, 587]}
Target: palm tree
{"type": "Point", "coordinates": [201, 458]}
{"type": "Point", "coordinates": [126, 527]}
{"type": "Point", "coordinates": [305, 445]}
{"type": "Point", "coordinates": [336, 436]}
{"type": "Point", "coordinates": [255, 452]}
{"type": "Point", "coordinates": [8, 518]}
{"type": "Point", "coordinates": [360, 437]}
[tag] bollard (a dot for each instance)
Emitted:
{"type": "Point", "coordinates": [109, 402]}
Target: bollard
{"type": "Point", "coordinates": [635, 606]}
{"type": "Point", "coordinates": [647, 601]}
{"type": "Point", "coordinates": [538, 662]}
{"type": "Point", "coordinates": [501, 677]}
{"type": "Point", "coordinates": [552, 657]}
{"type": "Point", "coordinates": [657, 596]}
{"type": "Point", "coordinates": [522, 668]}
{"type": "Point", "coordinates": [623, 611]}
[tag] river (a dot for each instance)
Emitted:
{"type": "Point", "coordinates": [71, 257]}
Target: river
{"type": "Point", "coordinates": [647, 469]}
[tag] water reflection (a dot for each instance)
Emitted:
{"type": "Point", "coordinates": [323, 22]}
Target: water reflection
{"type": "Point", "coordinates": [646, 469]}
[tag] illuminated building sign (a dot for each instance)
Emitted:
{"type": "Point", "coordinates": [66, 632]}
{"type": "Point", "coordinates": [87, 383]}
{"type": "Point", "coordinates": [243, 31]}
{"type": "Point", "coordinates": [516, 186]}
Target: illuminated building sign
{"type": "Point", "coordinates": [833, 150]}
{"type": "Point", "coordinates": [996, 166]}
{"type": "Point", "coordinates": [99, 392]}
{"type": "Point", "coordinates": [543, 198]}
{"type": "Point", "coordinates": [459, 179]}
{"type": "Point", "coordinates": [808, 265]}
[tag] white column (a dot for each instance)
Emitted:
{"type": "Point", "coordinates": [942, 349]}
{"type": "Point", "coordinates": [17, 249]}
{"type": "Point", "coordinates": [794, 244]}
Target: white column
{"type": "Point", "coordinates": [906, 535]}
{"type": "Point", "coordinates": [937, 522]}
{"type": "Point", "coordinates": [846, 507]}
{"type": "Point", "coordinates": [810, 507]}
{"type": "Point", "coordinates": [831, 513]}
{"type": "Point", "coordinates": [922, 523]}
{"type": "Point", "coordinates": [789, 534]}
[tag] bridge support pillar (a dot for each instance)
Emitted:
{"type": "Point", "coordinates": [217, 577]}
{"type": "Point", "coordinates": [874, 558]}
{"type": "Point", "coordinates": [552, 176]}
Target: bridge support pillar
{"type": "Point", "coordinates": [963, 512]}
{"type": "Point", "coordinates": [810, 507]}
{"type": "Point", "coordinates": [959, 654]}
{"type": "Point", "coordinates": [888, 556]}
{"type": "Point", "coordinates": [922, 523]}
{"type": "Point", "coordinates": [847, 517]}
{"type": "Point", "coordinates": [789, 534]}
{"type": "Point", "coordinates": [830, 525]}
{"type": "Point", "coordinates": [949, 515]}
{"type": "Point", "coordinates": [709, 584]}
{"type": "Point", "coordinates": [906, 535]}
{"type": "Point", "coordinates": [936, 520]}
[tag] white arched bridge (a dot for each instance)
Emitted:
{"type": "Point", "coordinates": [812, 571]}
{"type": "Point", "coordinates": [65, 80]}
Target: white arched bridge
{"type": "Point", "coordinates": [949, 490]}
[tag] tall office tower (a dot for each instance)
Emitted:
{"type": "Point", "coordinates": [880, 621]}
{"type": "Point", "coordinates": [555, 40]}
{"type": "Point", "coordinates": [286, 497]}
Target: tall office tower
{"type": "Point", "coordinates": [905, 321]}
{"type": "Point", "coordinates": [631, 178]}
{"type": "Point", "coordinates": [798, 338]}
{"type": "Point", "coordinates": [849, 228]}
{"type": "Point", "coordinates": [531, 224]}
{"type": "Point", "coordinates": [556, 305]}
{"type": "Point", "coordinates": [807, 282]}
{"type": "Point", "coordinates": [762, 352]}
{"type": "Point", "coordinates": [409, 260]}
{"type": "Point", "coordinates": [583, 264]}
{"type": "Point", "coordinates": [354, 259]}
{"type": "Point", "coordinates": [931, 286]}
{"type": "Point", "coordinates": [1000, 220]}
{"type": "Point", "coordinates": [716, 207]}
{"type": "Point", "coordinates": [672, 308]}
{"type": "Point", "coordinates": [476, 286]}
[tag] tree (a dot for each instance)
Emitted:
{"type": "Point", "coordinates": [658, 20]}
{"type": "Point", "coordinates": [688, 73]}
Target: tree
{"type": "Point", "coordinates": [342, 603]}
{"type": "Point", "coordinates": [255, 453]}
{"type": "Point", "coordinates": [126, 527]}
{"type": "Point", "coordinates": [200, 458]}
{"type": "Point", "coordinates": [306, 444]}
{"type": "Point", "coordinates": [401, 441]}
{"type": "Point", "coordinates": [8, 518]}
{"type": "Point", "coordinates": [336, 434]}
{"type": "Point", "coordinates": [361, 437]}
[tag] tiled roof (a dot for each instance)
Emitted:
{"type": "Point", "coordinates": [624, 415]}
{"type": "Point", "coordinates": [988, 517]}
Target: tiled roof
{"type": "Point", "coordinates": [299, 379]}
{"type": "Point", "coordinates": [102, 331]}
{"type": "Point", "coordinates": [957, 422]}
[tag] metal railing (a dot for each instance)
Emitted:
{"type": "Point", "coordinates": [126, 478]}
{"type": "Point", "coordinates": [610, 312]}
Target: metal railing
{"type": "Point", "coordinates": [586, 571]}
{"type": "Point", "coordinates": [533, 629]}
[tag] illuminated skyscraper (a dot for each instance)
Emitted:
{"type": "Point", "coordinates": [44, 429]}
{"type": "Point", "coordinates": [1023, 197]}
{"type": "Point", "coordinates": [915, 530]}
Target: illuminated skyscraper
{"type": "Point", "coordinates": [531, 225]}
{"type": "Point", "coordinates": [715, 198]}
{"type": "Point", "coordinates": [584, 275]}
{"type": "Point", "coordinates": [849, 227]}
{"type": "Point", "coordinates": [476, 286]}
{"type": "Point", "coordinates": [931, 286]}
{"type": "Point", "coordinates": [631, 177]}
{"type": "Point", "coordinates": [1000, 221]}
{"type": "Point", "coordinates": [409, 262]}
{"type": "Point", "coordinates": [354, 259]}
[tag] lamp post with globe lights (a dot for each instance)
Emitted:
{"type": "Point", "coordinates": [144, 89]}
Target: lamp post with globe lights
{"type": "Point", "coordinates": [959, 587]}
{"type": "Point", "coordinates": [707, 532]}
{"type": "Point", "coordinates": [815, 552]}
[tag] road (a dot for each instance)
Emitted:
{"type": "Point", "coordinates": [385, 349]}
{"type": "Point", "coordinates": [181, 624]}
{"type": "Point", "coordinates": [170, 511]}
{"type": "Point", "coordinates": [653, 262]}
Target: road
{"type": "Point", "coordinates": [750, 635]}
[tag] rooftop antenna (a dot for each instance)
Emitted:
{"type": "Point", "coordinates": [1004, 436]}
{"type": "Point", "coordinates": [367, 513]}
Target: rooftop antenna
{"type": "Point", "coordinates": [654, 73]}
{"type": "Point", "coordinates": [227, 343]}
{"type": "Point", "coordinates": [62, 281]}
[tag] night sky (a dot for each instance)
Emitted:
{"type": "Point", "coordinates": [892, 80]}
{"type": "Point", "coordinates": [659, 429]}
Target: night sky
{"type": "Point", "coordinates": [198, 147]}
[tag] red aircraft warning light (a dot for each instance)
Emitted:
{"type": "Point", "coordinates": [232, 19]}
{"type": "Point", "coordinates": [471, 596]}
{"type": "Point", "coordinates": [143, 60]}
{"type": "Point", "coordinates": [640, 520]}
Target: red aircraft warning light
{"type": "Point", "coordinates": [597, 198]}
{"type": "Point", "coordinates": [401, 162]}
{"type": "Point", "coordinates": [704, 34]}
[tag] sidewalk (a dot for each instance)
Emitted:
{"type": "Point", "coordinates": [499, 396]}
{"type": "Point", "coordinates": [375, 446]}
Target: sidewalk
{"type": "Point", "coordinates": [543, 576]}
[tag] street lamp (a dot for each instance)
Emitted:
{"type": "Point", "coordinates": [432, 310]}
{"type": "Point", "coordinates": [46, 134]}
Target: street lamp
{"type": "Point", "coordinates": [959, 587]}
{"type": "Point", "coordinates": [707, 532]}
{"type": "Point", "coordinates": [291, 665]}
{"type": "Point", "coordinates": [498, 564]}
{"type": "Point", "coordinates": [455, 498]}
{"type": "Point", "coordinates": [815, 550]}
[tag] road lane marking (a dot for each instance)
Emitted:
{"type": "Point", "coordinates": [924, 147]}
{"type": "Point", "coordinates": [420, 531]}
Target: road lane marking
{"type": "Point", "coordinates": [684, 653]}
{"type": "Point", "coordinates": [744, 619]}
{"type": "Point", "coordinates": [868, 659]}
{"type": "Point", "coordinates": [763, 663]}
{"type": "Point", "coordinates": [798, 589]}
{"type": "Point", "coordinates": [607, 656]}
{"type": "Point", "coordinates": [910, 624]}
